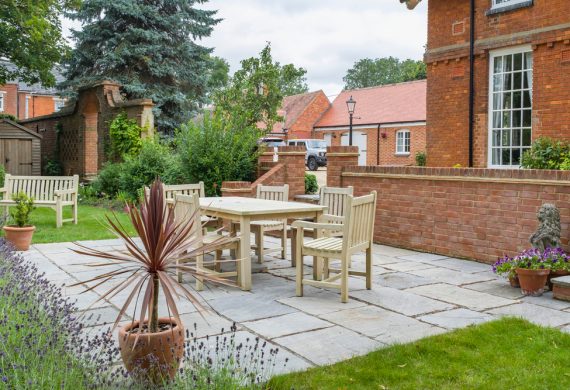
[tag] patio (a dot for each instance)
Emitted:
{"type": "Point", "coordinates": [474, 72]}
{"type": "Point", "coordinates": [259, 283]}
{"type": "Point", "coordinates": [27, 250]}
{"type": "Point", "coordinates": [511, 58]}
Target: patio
{"type": "Point", "coordinates": [414, 295]}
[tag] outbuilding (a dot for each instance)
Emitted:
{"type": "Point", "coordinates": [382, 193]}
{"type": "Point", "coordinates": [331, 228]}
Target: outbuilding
{"type": "Point", "coordinates": [20, 149]}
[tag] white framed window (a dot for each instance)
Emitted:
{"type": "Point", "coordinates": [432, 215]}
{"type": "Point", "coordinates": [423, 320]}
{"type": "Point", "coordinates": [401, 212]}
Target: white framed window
{"type": "Point", "coordinates": [505, 3]}
{"type": "Point", "coordinates": [58, 104]}
{"type": "Point", "coordinates": [403, 142]}
{"type": "Point", "coordinates": [2, 93]}
{"type": "Point", "coordinates": [27, 107]}
{"type": "Point", "coordinates": [510, 106]}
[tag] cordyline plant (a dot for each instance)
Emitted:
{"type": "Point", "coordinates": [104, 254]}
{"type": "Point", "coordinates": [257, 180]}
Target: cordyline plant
{"type": "Point", "coordinates": [152, 266]}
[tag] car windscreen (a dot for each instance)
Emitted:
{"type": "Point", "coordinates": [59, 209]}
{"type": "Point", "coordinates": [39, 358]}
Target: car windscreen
{"type": "Point", "coordinates": [315, 144]}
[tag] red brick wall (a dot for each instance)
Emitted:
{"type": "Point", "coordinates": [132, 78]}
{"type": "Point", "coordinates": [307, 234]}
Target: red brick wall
{"type": "Point", "coordinates": [10, 99]}
{"type": "Point", "coordinates": [338, 158]}
{"type": "Point", "coordinates": [388, 145]}
{"type": "Point", "coordinates": [303, 126]}
{"type": "Point", "coordinates": [473, 213]}
{"type": "Point", "coordinates": [448, 73]}
{"type": "Point", "coordinates": [38, 105]}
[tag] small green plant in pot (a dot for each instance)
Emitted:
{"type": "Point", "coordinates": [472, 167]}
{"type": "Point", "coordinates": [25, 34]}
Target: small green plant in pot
{"type": "Point", "coordinates": [151, 346]}
{"type": "Point", "coordinates": [19, 232]}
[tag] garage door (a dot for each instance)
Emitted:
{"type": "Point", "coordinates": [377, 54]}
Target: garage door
{"type": "Point", "coordinates": [359, 139]}
{"type": "Point", "coordinates": [16, 155]}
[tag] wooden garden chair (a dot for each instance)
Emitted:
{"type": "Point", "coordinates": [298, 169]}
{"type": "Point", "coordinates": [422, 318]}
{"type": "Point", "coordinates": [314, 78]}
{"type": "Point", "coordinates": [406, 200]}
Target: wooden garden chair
{"type": "Point", "coordinates": [335, 200]}
{"type": "Point", "coordinates": [188, 206]}
{"type": "Point", "coordinates": [357, 235]}
{"type": "Point", "coordinates": [259, 228]}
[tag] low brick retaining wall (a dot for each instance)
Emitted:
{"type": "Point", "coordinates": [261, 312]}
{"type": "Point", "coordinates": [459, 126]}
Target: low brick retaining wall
{"type": "Point", "coordinates": [473, 213]}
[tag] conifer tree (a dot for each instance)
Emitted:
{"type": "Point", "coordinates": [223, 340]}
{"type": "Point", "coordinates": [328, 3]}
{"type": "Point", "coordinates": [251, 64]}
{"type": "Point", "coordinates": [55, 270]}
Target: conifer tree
{"type": "Point", "coordinates": [149, 46]}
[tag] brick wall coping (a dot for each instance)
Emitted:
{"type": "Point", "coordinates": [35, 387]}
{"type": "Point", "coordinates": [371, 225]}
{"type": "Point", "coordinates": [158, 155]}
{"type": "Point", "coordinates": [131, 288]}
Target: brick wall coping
{"type": "Point", "coordinates": [342, 154]}
{"type": "Point", "coordinates": [514, 176]}
{"type": "Point", "coordinates": [291, 153]}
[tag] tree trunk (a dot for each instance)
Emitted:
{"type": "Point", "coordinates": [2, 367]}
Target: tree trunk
{"type": "Point", "coordinates": [153, 321]}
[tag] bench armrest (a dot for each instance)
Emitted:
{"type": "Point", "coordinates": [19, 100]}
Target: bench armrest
{"type": "Point", "coordinates": [65, 192]}
{"type": "Point", "coordinates": [314, 225]}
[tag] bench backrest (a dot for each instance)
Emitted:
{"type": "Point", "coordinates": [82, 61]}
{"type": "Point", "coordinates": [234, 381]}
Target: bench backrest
{"type": "Point", "coordinates": [41, 188]}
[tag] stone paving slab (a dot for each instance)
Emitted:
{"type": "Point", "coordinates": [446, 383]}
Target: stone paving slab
{"type": "Point", "coordinates": [462, 265]}
{"type": "Point", "coordinates": [249, 308]}
{"type": "Point", "coordinates": [547, 300]}
{"type": "Point", "coordinates": [539, 315]}
{"type": "Point", "coordinates": [320, 303]}
{"type": "Point", "coordinates": [401, 280]}
{"type": "Point", "coordinates": [450, 276]}
{"type": "Point", "coordinates": [408, 266]}
{"type": "Point", "coordinates": [421, 257]}
{"type": "Point", "coordinates": [286, 325]}
{"type": "Point", "coordinates": [403, 302]}
{"type": "Point", "coordinates": [329, 345]}
{"type": "Point", "coordinates": [497, 287]}
{"type": "Point", "coordinates": [458, 318]}
{"type": "Point", "coordinates": [462, 297]}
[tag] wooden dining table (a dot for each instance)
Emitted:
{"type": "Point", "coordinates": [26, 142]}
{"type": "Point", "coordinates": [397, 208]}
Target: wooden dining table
{"type": "Point", "coordinates": [245, 210]}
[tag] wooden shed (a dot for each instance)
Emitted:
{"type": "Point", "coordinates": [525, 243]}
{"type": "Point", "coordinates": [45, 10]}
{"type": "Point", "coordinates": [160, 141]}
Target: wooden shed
{"type": "Point", "coordinates": [20, 149]}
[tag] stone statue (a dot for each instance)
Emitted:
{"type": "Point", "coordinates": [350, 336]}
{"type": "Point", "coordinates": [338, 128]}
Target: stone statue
{"type": "Point", "coordinates": [548, 232]}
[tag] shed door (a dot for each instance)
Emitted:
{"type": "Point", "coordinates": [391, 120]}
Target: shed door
{"type": "Point", "coordinates": [359, 139]}
{"type": "Point", "coordinates": [16, 154]}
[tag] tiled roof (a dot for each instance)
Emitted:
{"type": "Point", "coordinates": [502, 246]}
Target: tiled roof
{"type": "Point", "coordinates": [34, 88]}
{"type": "Point", "coordinates": [291, 108]}
{"type": "Point", "coordinates": [394, 103]}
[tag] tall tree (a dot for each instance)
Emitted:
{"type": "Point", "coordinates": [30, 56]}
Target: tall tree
{"type": "Point", "coordinates": [149, 47]}
{"type": "Point", "coordinates": [369, 72]}
{"type": "Point", "coordinates": [30, 38]}
{"type": "Point", "coordinates": [218, 75]}
{"type": "Point", "coordinates": [256, 90]}
{"type": "Point", "coordinates": [292, 80]}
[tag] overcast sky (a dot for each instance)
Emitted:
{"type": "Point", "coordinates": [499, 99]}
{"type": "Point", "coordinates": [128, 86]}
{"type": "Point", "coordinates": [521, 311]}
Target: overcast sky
{"type": "Point", "coordinates": [325, 37]}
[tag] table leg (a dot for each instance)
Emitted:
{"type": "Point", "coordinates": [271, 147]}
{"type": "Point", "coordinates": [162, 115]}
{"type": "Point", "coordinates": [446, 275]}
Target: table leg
{"type": "Point", "coordinates": [245, 254]}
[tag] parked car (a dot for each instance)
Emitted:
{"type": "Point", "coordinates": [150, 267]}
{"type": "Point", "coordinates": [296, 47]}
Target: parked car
{"type": "Point", "coordinates": [316, 152]}
{"type": "Point", "coordinates": [272, 143]}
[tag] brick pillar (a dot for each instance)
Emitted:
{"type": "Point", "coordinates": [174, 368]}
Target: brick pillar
{"type": "Point", "coordinates": [293, 158]}
{"type": "Point", "coordinates": [339, 157]}
{"type": "Point", "coordinates": [237, 188]}
{"type": "Point", "coordinates": [90, 145]}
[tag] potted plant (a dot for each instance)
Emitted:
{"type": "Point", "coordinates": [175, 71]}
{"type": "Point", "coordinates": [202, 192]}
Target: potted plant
{"type": "Point", "coordinates": [150, 345]}
{"type": "Point", "coordinates": [506, 266]}
{"type": "Point", "coordinates": [20, 232]}
{"type": "Point", "coordinates": [559, 263]}
{"type": "Point", "coordinates": [532, 269]}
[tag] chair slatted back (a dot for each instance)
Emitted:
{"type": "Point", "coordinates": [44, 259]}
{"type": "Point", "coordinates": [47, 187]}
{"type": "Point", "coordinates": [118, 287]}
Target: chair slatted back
{"type": "Point", "coordinates": [188, 206]}
{"type": "Point", "coordinates": [359, 220]}
{"type": "Point", "coordinates": [41, 188]}
{"type": "Point", "coordinates": [335, 199]}
{"type": "Point", "coordinates": [184, 189]}
{"type": "Point", "coordinates": [280, 193]}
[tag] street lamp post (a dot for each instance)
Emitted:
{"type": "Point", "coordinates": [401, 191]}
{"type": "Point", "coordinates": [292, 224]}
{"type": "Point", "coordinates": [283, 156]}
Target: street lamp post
{"type": "Point", "coordinates": [351, 104]}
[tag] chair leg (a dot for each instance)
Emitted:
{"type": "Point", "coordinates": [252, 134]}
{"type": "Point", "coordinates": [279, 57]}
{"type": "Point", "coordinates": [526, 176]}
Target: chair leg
{"type": "Point", "coordinates": [369, 268]}
{"type": "Point", "coordinates": [259, 242]}
{"type": "Point", "coordinates": [293, 247]}
{"type": "Point", "coordinates": [199, 267]}
{"type": "Point", "coordinates": [326, 271]}
{"type": "Point", "coordinates": [75, 213]}
{"type": "Point", "coordinates": [233, 230]}
{"type": "Point", "coordinates": [344, 280]}
{"type": "Point", "coordinates": [299, 265]}
{"type": "Point", "coordinates": [284, 241]}
{"type": "Point", "coordinates": [59, 216]}
{"type": "Point", "coordinates": [217, 258]}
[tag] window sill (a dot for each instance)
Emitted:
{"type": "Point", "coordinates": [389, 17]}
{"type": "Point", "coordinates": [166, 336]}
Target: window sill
{"type": "Point", "coordinates": [507, 8]}
{"type": "Point", "coordinates": [402, 154]}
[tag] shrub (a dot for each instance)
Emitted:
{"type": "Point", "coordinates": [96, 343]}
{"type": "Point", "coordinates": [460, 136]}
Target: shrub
{"type": "Point", "coordinates": [53, 168]}
{"type": "Point", "coordinates": [24, 206]}
{"type": "Point", "coordinates": [545, 153]}
{"type": "Point", "coordinates": [311, 186]}
{"type": "Point", "coordinates": [8, 116]}
{"type": "Point", "coordinates": [215, 150]}
{"type": "Point", "coordinates": [2, 175]}
{"type": "Point", "coordinates": [125, 135]}
{"type": "Point", "coordinates": [108, 182]}
{"type": "Point", "coordinates": [421, 159]}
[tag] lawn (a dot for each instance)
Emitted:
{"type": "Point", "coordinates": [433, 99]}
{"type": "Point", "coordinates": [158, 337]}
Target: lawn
{"type": "Point", "coordinates": [504, 354]}
{"type": "Point", "coordinates": [91, 225]}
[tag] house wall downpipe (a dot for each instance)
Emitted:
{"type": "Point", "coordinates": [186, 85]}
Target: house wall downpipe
{"type": "Point", "coordinates": [378, 145]}
{"type": "Point", "coordinates": [471, 80]}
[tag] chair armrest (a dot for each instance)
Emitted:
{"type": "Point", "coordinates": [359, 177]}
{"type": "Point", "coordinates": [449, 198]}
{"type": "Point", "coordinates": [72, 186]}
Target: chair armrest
{"type": "Point", "coordinates": [65, 192]}
{"type": "Point", "coordinates": [314, 225]}
{"type": "Point", "coordinates": [329, 218]}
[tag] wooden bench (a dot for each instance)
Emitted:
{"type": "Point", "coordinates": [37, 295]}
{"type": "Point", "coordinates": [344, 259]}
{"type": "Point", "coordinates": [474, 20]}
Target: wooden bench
{"type": "Point", "coordinates": [47, 191]}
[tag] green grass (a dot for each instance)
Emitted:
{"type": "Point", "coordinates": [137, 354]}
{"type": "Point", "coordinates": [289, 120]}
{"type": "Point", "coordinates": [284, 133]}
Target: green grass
{"type": "Point", "coordinates": [504, 354]}
{"type": "Point", "coordinates": [91, 225]}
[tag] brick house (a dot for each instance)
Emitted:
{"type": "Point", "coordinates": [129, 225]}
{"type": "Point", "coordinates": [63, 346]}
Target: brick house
{"type": "Point", "coordinates": [495, 88]}
{"type": "Point", "coordinates": [300, 113]}
{"type": "Point", "coordinates": [26, 101]}
{"type": "Point", "coordinates": [389, 123]}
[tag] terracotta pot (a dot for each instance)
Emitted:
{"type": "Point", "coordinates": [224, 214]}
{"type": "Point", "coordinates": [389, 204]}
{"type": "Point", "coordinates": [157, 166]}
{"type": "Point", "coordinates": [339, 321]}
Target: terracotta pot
{"type": "Point", "coordinates": [20, 237]}
{"type": "Point", "coordinates": [532, 281]}
{"type": "Point", "coordinates": [514, 281]}
{"type": "Point", "coordinates": [555, 274]}
{"type": "Point", "coordinates": [156, 356]}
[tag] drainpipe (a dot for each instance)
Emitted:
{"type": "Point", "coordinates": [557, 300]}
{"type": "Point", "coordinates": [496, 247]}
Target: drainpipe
{"type": "Point", "coordinates": [378, 145]}
{"type": "Point", "coordinates": [471, 80]}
